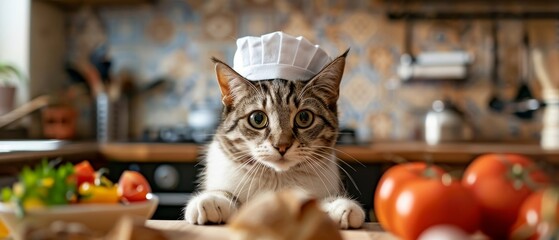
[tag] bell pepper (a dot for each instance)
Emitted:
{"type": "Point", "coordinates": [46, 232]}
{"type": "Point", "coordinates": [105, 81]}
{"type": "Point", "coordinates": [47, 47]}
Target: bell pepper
{"type": "Point", "coordinates": [90, 193]}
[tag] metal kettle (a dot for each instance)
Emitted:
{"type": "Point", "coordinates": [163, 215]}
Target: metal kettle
{"type": "Point", "coordinates": [444, 123]}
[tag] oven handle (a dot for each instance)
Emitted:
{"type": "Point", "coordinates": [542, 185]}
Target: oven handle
{"type": "Point", "coordinates": [173, 199]}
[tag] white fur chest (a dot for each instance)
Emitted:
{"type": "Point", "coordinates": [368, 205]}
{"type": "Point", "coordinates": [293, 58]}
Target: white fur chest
{"type": "Point", "coordinates": [246, 182]}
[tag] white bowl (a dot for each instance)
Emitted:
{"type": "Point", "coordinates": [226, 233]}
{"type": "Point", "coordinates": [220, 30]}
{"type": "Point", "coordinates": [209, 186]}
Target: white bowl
{"type": "Point", "coordinates": [100, 218]}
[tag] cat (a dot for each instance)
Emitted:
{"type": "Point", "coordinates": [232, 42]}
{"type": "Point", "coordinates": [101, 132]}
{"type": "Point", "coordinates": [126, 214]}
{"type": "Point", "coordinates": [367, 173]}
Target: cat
{"type": "Point", "coordinates": [274, 134]}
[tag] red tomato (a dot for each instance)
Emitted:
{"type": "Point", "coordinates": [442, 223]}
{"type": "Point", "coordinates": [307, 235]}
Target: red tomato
{"type": "Point", "coordinates": [133, 187]}
{"type": "Point", "coordinates": [84, 173]}
{"type": "Point", "coordinates": [499, 184]}
{"type": "Point", "coordinates": [426, 202]}
{"type": "Point", "coordinates": [534, 221]}
{"type": "Point", "coordinates": [389, 186]}
{"type": "Point", "coordinates": [444, 232]}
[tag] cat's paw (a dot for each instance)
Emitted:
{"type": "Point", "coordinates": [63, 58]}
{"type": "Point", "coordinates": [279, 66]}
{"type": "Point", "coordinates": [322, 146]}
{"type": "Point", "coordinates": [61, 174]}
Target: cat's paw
{"type": "Point", "coordinates": [345, 212]}
{"type": "Point", "coordinates": [209, 207]}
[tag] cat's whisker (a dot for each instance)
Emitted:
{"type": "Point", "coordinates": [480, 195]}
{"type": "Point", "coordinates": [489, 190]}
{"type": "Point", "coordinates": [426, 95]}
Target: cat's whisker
{"type": "Point", "coordinates": [337, 160]}
{"type": "Point", "coordinates": [242, 166]}
{"type": "Point", "coordinates": [320, 170]}
{"type": "Point", "coordinates": [308, 163]}
{"type": "Point", "coordinates": [325, 168]}
{"type": "Point", "coordinates": [250, 177]}
{"type": "Point", "coordinates": [311, 150]}
{"type": "Point", "coordinates": [304, 164]}
{"type": "Point", "coordinates": [347, 174]}
{"type": "Point", "coordinates": [258, 169]}
{"type": "Point", "coordinates": [307, 167]}
{"type": "Point", "coordinates": [240, 156]}
{"type": "Point", "coordinates": [261, 178]}
{"type": "Point", "coordinates": [243, 179]}
{"type": "Point", "coordinates": [346, 154]}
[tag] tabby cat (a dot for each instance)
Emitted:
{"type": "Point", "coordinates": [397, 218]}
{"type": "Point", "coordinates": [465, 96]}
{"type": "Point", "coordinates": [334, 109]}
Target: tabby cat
{"type": "Point", "coordinates": [274, 134]}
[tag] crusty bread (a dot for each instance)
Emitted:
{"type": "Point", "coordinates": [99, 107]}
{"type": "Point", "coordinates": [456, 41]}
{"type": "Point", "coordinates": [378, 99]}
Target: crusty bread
{"type": "Point", "coordinates": [288, 214]}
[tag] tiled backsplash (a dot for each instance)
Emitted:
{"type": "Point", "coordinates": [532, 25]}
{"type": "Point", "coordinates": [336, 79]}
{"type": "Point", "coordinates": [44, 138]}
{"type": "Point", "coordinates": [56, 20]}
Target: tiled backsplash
{"type": "Point", "coordinates": [175, 40]}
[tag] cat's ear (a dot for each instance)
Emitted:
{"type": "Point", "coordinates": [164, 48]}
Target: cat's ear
{"type": "Point", "coordinates": [327, 81]}
{"type": "Point", "coordinates": [231, 83]}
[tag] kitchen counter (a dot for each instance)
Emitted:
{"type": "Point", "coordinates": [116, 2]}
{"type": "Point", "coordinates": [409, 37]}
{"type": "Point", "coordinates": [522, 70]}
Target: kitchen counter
{"type": "Point", "coordinates": [457, 153]}
{"type": "Point", "coordinates": [149, 152]}
{"type": "Point", "coordinates": [179, 229]}
{"type": "Point", "coordinates": [382, 152]}
{"type": "Point", "coordinates": [182, 230]}
{"type": "Point", "coordinates": [65, 150]}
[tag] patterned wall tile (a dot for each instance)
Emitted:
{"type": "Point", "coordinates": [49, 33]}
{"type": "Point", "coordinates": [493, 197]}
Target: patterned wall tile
{"type": "Point", "coordinates": [175, 39]}
{"type": "Point", "coordinates": [360, 92]}
{"type": "Point", "coordinates": [298, 25]}
{"type": "Point", "coordinates": [220, 26]}
{"type": "Point", "coordinates": [257, 23]}
{"type": "Point", "coordinates": [360, 27]}
{"type": "Point", "coordinates": [382, 59]}
{"type": "Point", "coordinates": [160, 30]}
{"type": "Point", "coordinates": [382, 126]}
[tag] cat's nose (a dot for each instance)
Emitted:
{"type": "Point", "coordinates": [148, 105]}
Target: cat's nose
{"type": "Point", "coordinates": [282, 148]}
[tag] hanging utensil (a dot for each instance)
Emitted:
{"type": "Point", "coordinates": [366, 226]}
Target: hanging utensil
{"type": "Point", "coordinates": [495, 102]}
{"type": "Point", "coordinates": [524, 93]}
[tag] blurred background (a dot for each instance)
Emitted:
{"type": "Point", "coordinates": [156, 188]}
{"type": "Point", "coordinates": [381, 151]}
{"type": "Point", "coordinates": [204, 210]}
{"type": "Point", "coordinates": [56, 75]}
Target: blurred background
{"type": "Point", "coordinates": [153, 58]}
{"type": "Point", "coordinates": [420, 74]}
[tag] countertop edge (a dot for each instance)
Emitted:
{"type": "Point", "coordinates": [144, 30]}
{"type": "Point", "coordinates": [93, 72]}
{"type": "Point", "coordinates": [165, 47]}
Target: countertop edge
{"type": "Point", "coordinates": [84, 148]}
{"type": "Point", "coordinates": [382, 152]}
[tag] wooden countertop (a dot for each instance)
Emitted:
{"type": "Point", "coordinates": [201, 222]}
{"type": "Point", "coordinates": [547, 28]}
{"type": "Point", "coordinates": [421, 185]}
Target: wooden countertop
{"type": "Point", "coordinates": [374, 153]}
{"type": "Point", "coordinates": [382, 152]}
{"type": "Point", "coordinates": [147, 152]}
{"type": "Point", "coordinates": [182, 230]}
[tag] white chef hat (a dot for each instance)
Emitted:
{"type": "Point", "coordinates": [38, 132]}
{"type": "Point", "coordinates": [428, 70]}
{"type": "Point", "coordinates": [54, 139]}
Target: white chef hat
{"type": "Point", "coordinates": [278, 55]}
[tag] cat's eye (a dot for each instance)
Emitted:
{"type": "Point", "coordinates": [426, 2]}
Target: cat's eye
{"type": "Point", "coordinates": [258, 119]}
{"type": "Point", "coordinates": [304, 119]}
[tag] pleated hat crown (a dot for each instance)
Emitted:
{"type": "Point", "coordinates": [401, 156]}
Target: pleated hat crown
{"type": "Point", "coordinates": [278, 55]}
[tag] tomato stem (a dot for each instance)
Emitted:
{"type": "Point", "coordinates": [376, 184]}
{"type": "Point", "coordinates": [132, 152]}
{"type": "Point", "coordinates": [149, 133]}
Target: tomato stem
{"type": "Point", "coordinates": [519, 174]}
{"type": "Point", "coordinates": [99, 181]}
{"type": "Point", "coordinates": [429, 171]}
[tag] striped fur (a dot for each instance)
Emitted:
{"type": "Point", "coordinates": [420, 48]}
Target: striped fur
{"type": "Point", "coordinates": [246, 161]}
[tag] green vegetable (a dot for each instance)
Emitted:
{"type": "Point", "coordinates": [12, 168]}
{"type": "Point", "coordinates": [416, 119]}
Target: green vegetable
{"type": "Point", "coordinates": [6, 194]}
{"type": "Point", "coordinates": [45, 184]}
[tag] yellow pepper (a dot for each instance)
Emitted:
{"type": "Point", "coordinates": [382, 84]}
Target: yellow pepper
{"type": "Point", "coordinates": [90, 193]}
{"type": "Point", "coordinates": [47, 182]}
{"type": "Point", "coordinates": [33, 203]}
